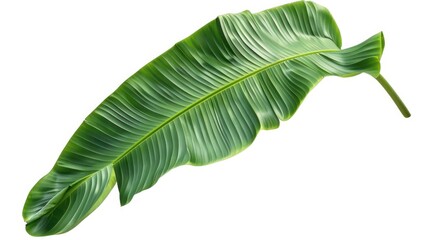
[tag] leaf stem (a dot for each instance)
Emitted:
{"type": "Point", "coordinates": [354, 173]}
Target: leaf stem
{"type": "Point", "coordinates": [401, 106]}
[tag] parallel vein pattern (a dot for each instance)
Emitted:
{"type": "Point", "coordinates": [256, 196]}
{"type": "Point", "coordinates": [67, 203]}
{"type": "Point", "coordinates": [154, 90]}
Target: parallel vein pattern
{"type": "Point", "coordinates": [203, 100]}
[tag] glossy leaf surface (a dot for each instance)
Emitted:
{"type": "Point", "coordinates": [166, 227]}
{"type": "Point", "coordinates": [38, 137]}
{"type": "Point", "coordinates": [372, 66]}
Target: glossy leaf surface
{"type": "Point", "coordinates": [203, 100]}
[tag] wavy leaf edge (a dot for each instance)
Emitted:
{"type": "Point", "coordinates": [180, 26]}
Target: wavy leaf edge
{"type": "Point", "coordinates": [51, 206]}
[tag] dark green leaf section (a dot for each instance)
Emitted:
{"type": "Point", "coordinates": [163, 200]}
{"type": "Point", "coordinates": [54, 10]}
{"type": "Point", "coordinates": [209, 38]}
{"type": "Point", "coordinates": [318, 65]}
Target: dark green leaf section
{"type": "Point", "coordinates": [71, 206]}
{"type": "Point", "coordinates": [203, 100]}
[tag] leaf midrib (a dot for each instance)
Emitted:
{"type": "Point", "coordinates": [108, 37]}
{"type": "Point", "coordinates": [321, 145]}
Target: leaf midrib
{"type": "Point", "coordinates": [77, 183]}
{"type": "Point", "coordinates": [214, 93]}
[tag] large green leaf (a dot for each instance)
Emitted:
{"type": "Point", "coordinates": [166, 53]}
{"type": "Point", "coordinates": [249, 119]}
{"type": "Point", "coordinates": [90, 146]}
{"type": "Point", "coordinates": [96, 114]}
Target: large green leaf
{"type": "Point", "coordinates": [203, 100]}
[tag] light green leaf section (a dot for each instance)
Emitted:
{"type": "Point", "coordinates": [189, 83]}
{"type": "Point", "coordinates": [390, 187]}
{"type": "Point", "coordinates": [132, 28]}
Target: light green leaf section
{"type": "Point", "coordinates": [203, 100]}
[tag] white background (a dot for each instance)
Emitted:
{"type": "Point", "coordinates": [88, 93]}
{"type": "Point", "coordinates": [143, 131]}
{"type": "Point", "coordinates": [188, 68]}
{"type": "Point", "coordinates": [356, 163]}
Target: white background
{"type": "Point", "coordinates": [346, 166]}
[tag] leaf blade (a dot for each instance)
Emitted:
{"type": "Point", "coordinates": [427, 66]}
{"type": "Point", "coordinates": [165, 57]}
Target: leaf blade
{"type": "Point", "coordinates": [203, 100]}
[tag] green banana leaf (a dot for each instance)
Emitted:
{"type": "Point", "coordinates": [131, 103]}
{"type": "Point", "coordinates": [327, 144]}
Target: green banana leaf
{"type": "Point", "coordinates": [203, 100]}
